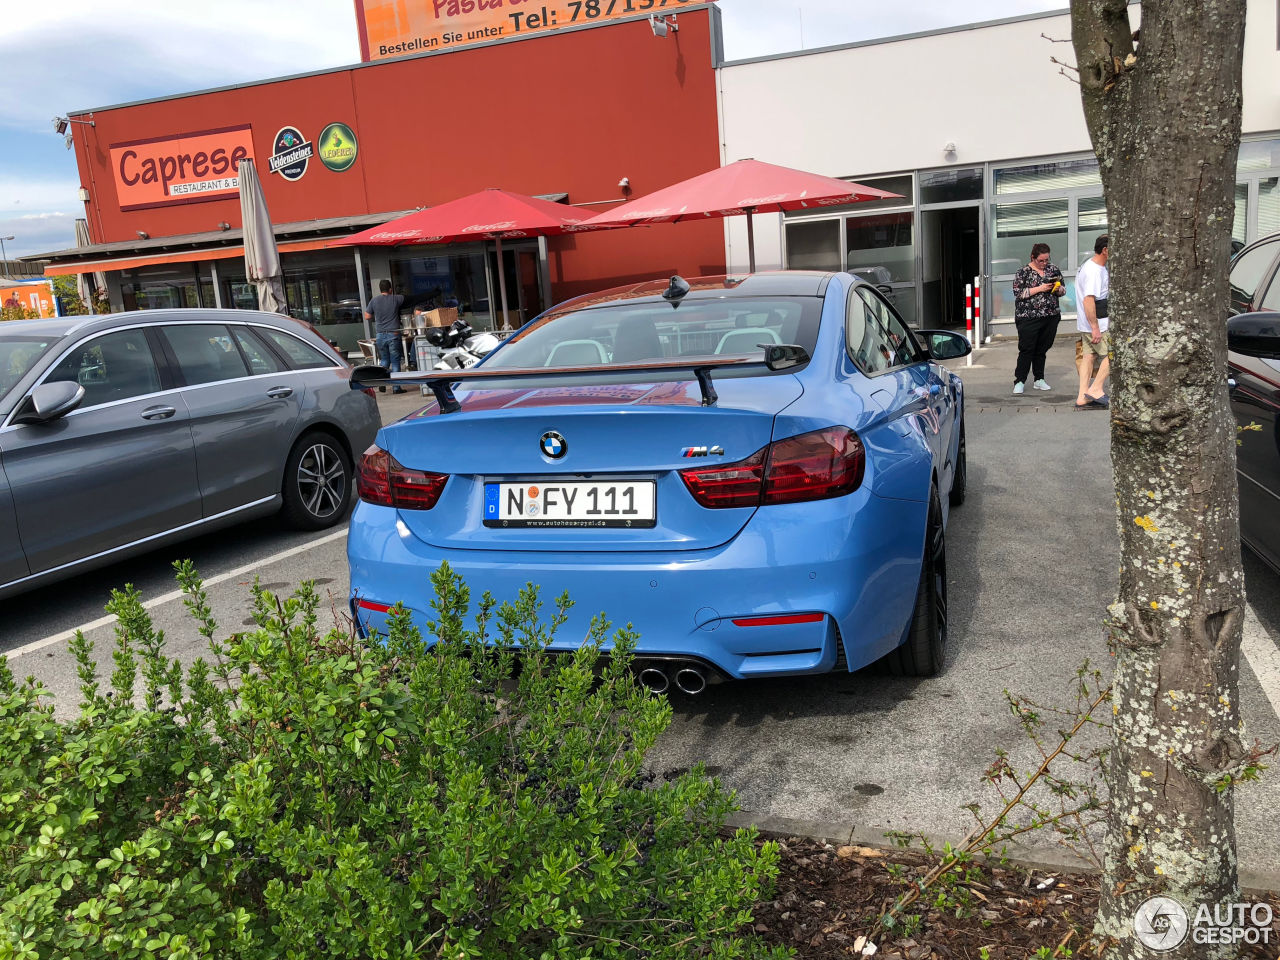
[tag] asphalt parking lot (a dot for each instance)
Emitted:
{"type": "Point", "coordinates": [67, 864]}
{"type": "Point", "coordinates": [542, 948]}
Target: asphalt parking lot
{"type": "Point", "coordinates": [1032, 557]}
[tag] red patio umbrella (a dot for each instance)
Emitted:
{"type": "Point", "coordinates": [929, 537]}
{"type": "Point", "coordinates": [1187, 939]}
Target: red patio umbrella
{"type": "Point", "coordinates": [745, 187]}
{"type": "Point", "coordinates": [490, 214]}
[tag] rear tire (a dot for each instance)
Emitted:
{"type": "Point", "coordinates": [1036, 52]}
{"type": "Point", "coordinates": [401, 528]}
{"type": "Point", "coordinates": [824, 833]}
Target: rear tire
{"type": "Point", "coordinates": [317, 483]}
{"type": "Point", "coordinates": [960, 476]}
{"type": "Point", "coordinates": [925, 650]}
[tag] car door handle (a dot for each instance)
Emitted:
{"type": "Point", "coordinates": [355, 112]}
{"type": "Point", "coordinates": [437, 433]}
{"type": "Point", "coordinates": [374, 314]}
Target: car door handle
{"type": "Point", "coordinates": [158, 413]}
{"type": "Point", "coordinates": [279, 393]}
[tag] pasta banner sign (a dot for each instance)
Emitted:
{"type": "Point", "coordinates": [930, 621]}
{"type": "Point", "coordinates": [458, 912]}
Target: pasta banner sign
{"type": "Point", "coordinates": [187, 168]}
{"type": "Point", "coordinates": [398, 28]}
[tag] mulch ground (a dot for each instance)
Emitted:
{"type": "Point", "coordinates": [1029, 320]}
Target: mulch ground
{"type": "Point", "coordinates": [826, 898]}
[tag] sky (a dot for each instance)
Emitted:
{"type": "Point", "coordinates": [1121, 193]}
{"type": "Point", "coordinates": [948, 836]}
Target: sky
{"type": "Point", "coordinates": [68, 55]}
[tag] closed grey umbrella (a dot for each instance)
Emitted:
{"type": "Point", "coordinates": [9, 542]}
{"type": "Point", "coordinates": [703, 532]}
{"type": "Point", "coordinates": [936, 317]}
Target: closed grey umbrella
{"type": "Point", "coordinates": [83, 287]}
{"type": "Point", "coordinates": [261, 258]}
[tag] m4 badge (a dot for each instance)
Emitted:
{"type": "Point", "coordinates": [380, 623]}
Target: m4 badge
{"type": "Point", "coordinates": [716, 451]}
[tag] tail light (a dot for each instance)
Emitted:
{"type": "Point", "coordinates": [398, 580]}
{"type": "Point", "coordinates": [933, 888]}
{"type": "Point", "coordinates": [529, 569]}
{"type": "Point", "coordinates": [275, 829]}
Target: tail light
{"type": "Point", "coordinates": [813, 466]}
{"type": "Point", "coordinates": [383, 480]}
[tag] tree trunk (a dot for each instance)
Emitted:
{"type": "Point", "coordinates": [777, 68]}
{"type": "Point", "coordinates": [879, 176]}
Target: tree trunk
{"type": "Point", "coordinates": [1164, 117]}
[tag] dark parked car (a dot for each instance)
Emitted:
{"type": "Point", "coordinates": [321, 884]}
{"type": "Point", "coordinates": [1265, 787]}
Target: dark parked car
{"type": "Point", "coordinates": [1253, 339]}
{"type": "Point", "coordinates": [121, 433]}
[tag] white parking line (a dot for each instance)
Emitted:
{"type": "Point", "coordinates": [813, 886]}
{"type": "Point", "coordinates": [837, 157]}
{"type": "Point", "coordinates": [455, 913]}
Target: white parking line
{"type": "Point", "coordinates": [66, 635]}
{"type": "Point", "coordinates": [1260, 650]}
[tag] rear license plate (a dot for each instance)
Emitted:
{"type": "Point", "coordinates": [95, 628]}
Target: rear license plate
{"type": "Point", "coordinates": [617, 503]}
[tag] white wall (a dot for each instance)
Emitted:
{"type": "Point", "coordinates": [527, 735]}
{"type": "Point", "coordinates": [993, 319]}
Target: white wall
{"type": "Point", "coordinates": [890, 106]}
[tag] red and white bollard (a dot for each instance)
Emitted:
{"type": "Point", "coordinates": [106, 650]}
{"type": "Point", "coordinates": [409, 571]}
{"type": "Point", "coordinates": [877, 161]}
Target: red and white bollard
{"type": "Point", "coordinates": [977, 310]}
{"type": "Point", "coordinates": [968, 320]}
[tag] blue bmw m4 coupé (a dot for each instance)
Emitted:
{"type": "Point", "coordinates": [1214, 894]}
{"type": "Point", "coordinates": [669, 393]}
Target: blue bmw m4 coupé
{"type": "Point", "coordinates": [755, 472]}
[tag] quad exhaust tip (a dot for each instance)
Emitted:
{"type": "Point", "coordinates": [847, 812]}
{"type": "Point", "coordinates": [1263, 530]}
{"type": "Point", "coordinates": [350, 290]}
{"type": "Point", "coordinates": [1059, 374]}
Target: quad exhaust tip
{"type": "Point", "coordinates": [654, 679]}
{"type": "Point", "coordinates": [691, 680]}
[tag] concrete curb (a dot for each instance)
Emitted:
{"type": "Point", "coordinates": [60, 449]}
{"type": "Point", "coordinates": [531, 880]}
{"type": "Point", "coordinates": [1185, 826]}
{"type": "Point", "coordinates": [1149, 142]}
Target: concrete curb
{"type": "Point", "coordinates": [1050, 859]}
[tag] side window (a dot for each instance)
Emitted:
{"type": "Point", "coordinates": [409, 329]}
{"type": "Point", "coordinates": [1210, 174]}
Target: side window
{"type": "Point", "coordinates": [1271, 299]}
{"type": "Point", "coordinates": [302, 356]}
{"type": "Point", "coordinates": [1247, 271]}
{"type": "Point", "coordinates": [867, 348]}
{"type": "Point", "coordinates": [115, 366]}
{"type": "Point", "coordinates": [205, 352]}
{"type": "Point", "coordinates": [892, 332]}
{"type": "Point", "coordinates": [261, 360]}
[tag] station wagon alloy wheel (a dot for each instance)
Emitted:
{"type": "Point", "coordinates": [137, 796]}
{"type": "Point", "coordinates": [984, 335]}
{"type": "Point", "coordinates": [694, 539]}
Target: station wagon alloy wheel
{"type": "Point", "coordinates": [318, 482]}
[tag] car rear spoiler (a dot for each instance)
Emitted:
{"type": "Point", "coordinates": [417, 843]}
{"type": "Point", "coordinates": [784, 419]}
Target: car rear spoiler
{"type": "Point", "coordinates": [777, 356]}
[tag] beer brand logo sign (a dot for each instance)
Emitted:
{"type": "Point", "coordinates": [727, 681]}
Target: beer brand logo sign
{"type": "Point", "coordinates": [186, 168]}
{"type": "Point", "coordinates": [291, 153]}
{"type": "Point", "coordinates": [338, 147]}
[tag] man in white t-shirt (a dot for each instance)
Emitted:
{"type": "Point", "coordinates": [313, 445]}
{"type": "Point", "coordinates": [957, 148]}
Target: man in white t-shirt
{"type": "Point", "coordinates": [1093, 284]}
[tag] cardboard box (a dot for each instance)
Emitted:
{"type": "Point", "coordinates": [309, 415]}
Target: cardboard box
{"type": "Point", "coordinates": [441, 316]}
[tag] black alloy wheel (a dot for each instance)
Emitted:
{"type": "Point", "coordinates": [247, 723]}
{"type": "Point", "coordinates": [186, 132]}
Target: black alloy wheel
{"type": "Point", "coordinates": [317, 482]}
{"type": "Point", "coordinates": [925, 650]}
{"type": "Point", "coordinates": [960, 476]}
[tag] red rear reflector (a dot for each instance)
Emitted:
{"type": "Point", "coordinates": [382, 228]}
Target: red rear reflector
{"type": "Point", "coordinates": [375, 607]}
{"type": "Point", "coordinates": [383, 480]}
{"type": "Point", "coordinates": [778, 621]}
{"type": "Point", "coordinates": [813, 466]}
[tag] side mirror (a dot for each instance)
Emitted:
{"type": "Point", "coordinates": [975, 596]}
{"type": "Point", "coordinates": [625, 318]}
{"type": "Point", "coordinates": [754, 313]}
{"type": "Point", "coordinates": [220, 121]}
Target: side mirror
{"type": "Point", "coordinates": [945, 345]}
{"type": "Point", "coordinates": [886, 290]}
{"type": "Point", "coordinates": [49, 401]}
{"type": "Point", "coordinates": [1255, 335]}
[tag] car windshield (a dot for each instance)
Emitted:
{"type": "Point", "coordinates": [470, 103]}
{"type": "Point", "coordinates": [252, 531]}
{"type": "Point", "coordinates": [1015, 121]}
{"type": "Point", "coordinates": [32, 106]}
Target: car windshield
{"type": "Point", "coordinates": [629, 333]}
{"type": "Point", "coordinates": [17, 355]}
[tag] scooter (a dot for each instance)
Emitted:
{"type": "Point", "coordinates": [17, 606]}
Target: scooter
{"type": "Point", "coordinates": [459, 349]}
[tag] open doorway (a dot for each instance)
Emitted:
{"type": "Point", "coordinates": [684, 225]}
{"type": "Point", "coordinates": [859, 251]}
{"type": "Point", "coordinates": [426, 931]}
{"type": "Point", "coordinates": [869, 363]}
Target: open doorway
{"type": "Point", "coordinates": [950, 253]}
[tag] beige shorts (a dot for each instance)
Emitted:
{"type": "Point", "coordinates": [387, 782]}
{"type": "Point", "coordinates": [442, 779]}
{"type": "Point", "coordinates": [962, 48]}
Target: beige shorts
{"type": "Point", "coordinates": [1085, 344]}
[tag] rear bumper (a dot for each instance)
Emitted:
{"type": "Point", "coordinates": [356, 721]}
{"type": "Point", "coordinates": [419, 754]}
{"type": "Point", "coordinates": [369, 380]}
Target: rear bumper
{"type": "Point", "coordinates": [854, 561]}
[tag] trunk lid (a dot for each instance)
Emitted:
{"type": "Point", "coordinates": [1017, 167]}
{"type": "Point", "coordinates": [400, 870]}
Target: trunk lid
{"type": "Point", "coordinates": [612, 433]}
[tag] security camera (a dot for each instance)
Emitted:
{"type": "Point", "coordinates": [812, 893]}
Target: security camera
{"type": "Point", "coordinates": [624, 182]}
{"type": "Point", "coordinates": [60, 124]}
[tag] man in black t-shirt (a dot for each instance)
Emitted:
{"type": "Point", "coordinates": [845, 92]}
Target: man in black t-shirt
{"type": "Point", "coordinates": [384, 311]}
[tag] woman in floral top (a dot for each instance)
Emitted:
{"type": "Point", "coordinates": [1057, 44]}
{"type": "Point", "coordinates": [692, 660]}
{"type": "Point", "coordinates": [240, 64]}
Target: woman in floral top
{"type": "Point", "coordinates": [1036, 290]}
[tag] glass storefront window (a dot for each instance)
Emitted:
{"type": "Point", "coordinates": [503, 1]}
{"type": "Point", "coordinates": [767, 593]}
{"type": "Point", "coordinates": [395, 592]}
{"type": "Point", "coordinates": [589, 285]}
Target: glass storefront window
{"type": "Point", "coordinates": [1240, 222]}
{"type": "Point", "coordinates": [1017, 226]}
{"type": "Point", "coordinates": [813, 245]}
{"type": "Point", "coordinates": [448, 280]}
{"type": "Point", "coordinates": [1268, 206]}
{"type": "Point", "coordinates": [160, 287]}
{"type": "Point", "coordinates": [947, 186]}
{"type": "Point", "coordinates": [1091, 223]}
{"type": "Point", "coordinates": [1258, 155]}
{"type": "Point", "coordinates": [1056, 175]}
{"type": "Point", "coordinates": [901, 184]}
{"type": "Point", "coordinates": [880, 247]}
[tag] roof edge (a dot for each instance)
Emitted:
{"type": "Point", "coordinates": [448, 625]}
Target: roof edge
{"type": "Point", "coordinates": [898, 38]}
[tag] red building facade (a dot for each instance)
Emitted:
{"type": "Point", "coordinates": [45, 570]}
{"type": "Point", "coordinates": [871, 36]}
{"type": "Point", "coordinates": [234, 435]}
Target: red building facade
{"type": "Point", "coordinates": [568, 114]}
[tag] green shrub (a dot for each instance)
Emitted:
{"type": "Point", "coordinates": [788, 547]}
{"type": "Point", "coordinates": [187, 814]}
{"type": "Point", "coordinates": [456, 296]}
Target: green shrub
{"type": "Point", "coordinates": [307, 795]}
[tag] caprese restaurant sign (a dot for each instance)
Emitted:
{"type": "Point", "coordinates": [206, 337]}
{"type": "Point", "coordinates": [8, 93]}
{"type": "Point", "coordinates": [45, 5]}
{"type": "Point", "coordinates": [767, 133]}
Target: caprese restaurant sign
{"type": "Point", "coordinates": [397, 28]}
{"type": "Point", "coordinates": [187, 168]}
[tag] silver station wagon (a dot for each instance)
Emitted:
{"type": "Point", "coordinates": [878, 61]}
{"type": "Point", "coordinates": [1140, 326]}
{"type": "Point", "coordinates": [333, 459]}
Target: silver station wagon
{"type": "Point", "coordinates": [122, 433]}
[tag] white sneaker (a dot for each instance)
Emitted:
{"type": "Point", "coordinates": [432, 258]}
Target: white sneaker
{"type": "Point", "coordinates": [1041, 385]}
{"type": "Point", "coordinates": [1018, 387]}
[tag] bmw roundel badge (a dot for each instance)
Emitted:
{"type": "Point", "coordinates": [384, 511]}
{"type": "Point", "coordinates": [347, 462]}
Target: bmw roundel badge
{"type": "Point", "coordinates": [553, 445]}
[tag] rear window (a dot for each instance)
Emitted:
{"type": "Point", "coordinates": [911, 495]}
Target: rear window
{"type": "Point", "coordinates": [17, 356]}
{"type": "Point", "coordinates": [647, 332]}
{"type": "Point", "coordinates": [302, 356]}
